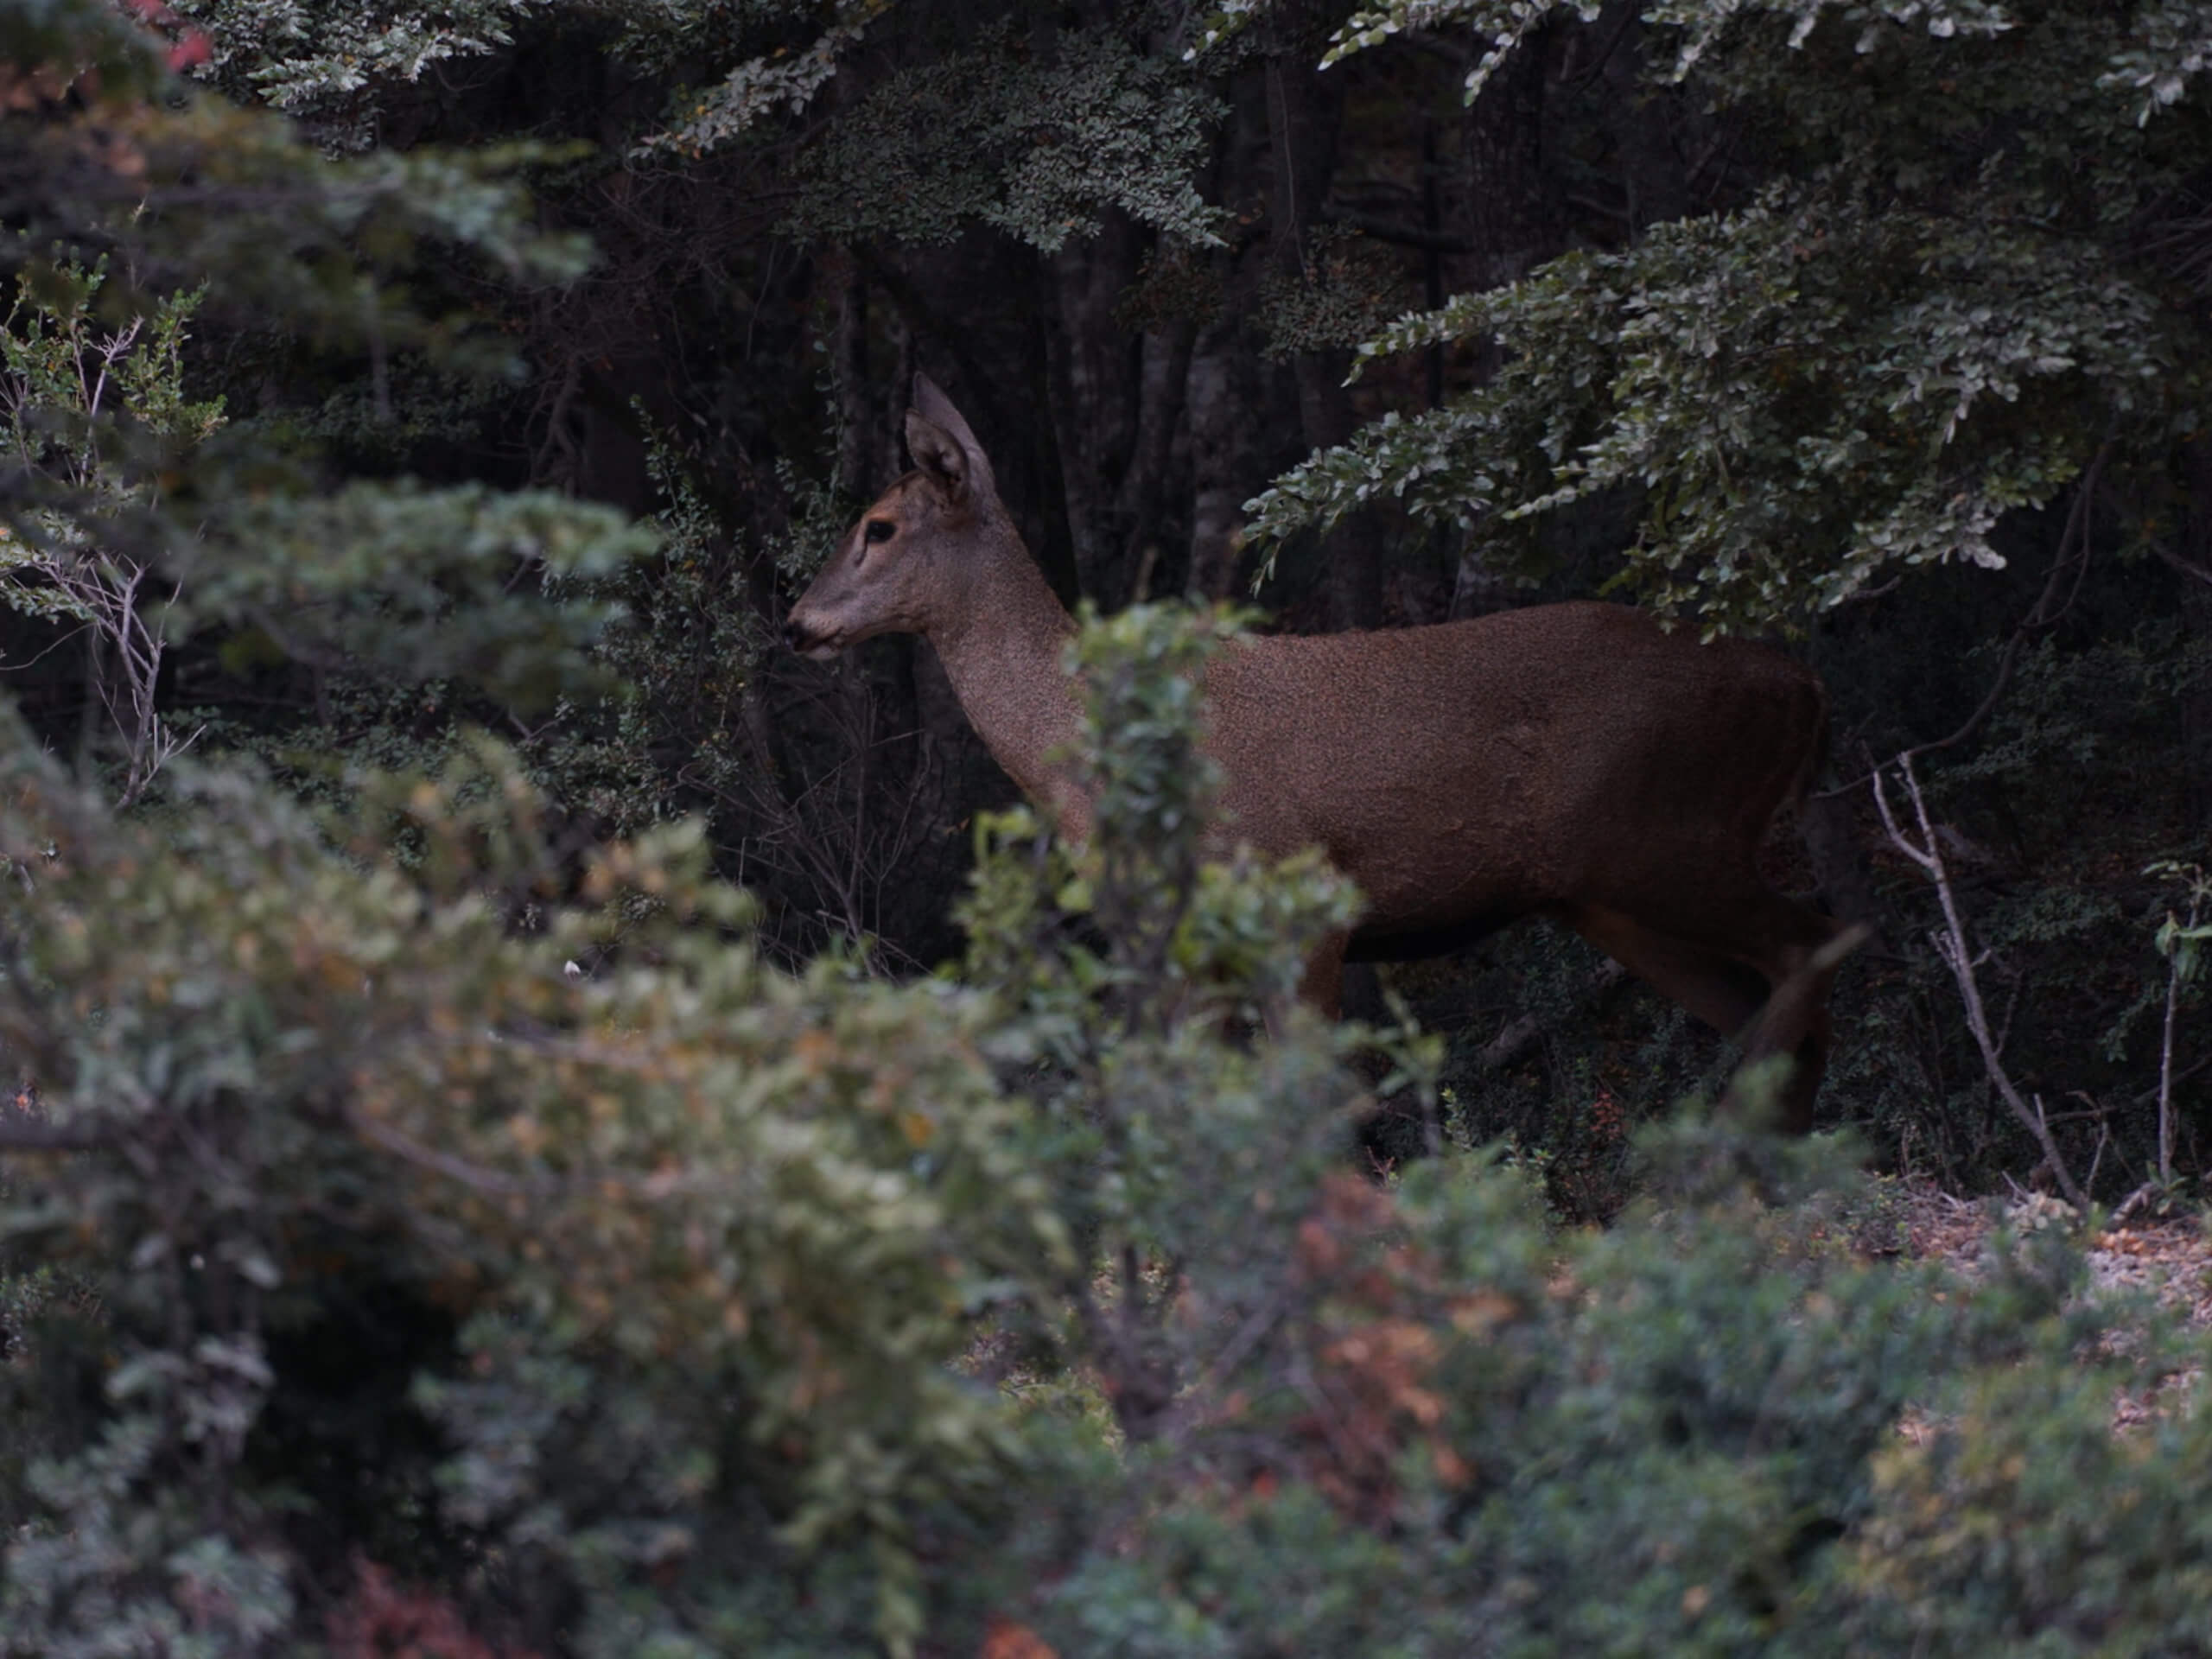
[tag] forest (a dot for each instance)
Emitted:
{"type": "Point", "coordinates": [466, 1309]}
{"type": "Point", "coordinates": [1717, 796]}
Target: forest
{"type": "Point", "coordinates": [540, 1121]}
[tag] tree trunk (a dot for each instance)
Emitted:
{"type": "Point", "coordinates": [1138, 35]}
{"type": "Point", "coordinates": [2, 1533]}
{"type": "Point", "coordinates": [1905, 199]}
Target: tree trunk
{"type": "Point", "coordinates": [2195, 581]}
{"type": "Point", "coordinates": [858, 471]}
{"type": "Point", "coordinates": [1094, 402]}
{"type": "Point", "coordinates": [1512, 224]}
{"type": "Point", "coordinates": [1054, 511]}
{"type": "Point", "coordinates": [1304, 114]}
{"type": "Point", "coordinates": [1163, 386]}
{"type": "Point", "coordinates": [1222, 388]}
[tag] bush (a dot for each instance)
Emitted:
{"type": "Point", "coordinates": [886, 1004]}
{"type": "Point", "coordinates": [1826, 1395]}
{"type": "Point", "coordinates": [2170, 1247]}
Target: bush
{"type": "Point", "coordinates": [373, 1278]}
{"type": "Point", "coordinates": [406, 1242]}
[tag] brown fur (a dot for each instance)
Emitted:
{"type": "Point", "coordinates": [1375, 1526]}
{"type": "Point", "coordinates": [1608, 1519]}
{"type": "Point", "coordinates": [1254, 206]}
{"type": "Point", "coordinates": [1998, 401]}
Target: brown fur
{"type": "Point", "coordinates": [1574, 761]}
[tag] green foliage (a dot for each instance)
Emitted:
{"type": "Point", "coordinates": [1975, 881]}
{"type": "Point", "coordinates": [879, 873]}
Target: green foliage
{"type": "Point", "coordinates": [2048, 882]}
{"type": "Point", "coordinates": [1803, 394]}
{"type": "Point", "coordinates": [686, 649]}
{"type": "Point", "coordinates": [1342, 294]}
{"type": "Point", "coordinates": [133, 523]}
{"type": "Point", "coordinates": [673, 1298]}
{"type": "Point", "coordinates": [1191, 941]}
{"type": "Point", "coordinates": [1698, 26]}
{"type": "Point", "coordinates": [1933, 318]}
{"type": "Point", "coordinates": [1124, 971]}
{"type": "Point", "coordinates": [323, 62]}
{"type": "Point", "coordinates": [423, 584]}
{"type": "Point", "coordinates": [1033, 144]}
{"type": "Point", "coordinates": [63, 373]}
{"type": "Point", "coordinates": [90, 36]}
{"type": "Point", "coordinates": [134, 507]}
{"type": "Point", "coordinates": [1680, 1435]}
{"type": "Point", "coordinates": [2027, 1519]}
{"type": "Point", "coordinates": [1032, 139]}
{"type": "Point", "coordinates": [196, 190]}
{"type": "Point", "coordinates": [757, 85]}
{"type": "Point", "coordinates": [705, 1182]}
{"type": "Point", "coordinates": [683, 1250]}
{"type": "Point", "coordinates": [2168, 50]}
{"type": "Point", "coordinates": [98, 419]}
{"type": "Point", "coordinates": [679, 36]}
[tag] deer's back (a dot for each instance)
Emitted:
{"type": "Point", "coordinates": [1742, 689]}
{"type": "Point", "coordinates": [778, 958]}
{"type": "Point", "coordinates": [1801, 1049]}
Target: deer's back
{"type": "Point", "coordinates": [1502, 763]}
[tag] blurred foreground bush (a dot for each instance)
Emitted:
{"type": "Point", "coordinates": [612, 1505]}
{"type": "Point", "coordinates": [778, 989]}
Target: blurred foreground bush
{"type": "Point", "coordinates": [371, 1279]}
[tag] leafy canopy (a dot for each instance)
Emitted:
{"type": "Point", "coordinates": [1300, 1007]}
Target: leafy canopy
{"type": "Point", "coordinates": [1941, 306]}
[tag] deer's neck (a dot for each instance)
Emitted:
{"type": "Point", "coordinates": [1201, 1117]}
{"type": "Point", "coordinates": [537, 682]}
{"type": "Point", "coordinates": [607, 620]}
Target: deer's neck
{"type": "Point", "coordinates": [1002, 655]}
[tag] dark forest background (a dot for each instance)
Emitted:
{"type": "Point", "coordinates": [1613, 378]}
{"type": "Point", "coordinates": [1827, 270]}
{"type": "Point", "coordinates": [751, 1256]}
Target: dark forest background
{"type": "Point", "coordinates": [642, 1077]}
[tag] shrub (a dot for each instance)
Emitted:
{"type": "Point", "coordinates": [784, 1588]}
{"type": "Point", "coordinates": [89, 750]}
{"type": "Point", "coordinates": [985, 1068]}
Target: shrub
{"type": "Point", "coordinates": [371, 1278]}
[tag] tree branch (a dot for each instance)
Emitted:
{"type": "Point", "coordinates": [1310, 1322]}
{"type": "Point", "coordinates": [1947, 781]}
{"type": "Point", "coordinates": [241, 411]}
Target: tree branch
{"type": "Point", "coordinates": [1951, 945]}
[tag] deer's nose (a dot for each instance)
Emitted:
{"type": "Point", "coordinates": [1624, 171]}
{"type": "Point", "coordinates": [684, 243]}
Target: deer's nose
{"type": "Point", "coordinates": [795, 633]}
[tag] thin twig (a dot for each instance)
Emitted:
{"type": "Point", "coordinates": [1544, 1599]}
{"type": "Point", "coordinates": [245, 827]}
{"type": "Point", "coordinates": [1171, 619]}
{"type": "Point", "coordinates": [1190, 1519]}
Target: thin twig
{"type": "Point", "coordinates": [2182, 1076]}
{"type": "Point", "coordinates": [1249, 1336]}
{"type": "Point", "coordinates": [474, 1176]}
{"type": "Point", "coordinates": [1952, 946]}
{"type": "Point", "coordinates": [1523, 1033]}
{"type": "Point", "coordinates": [2166, 1058]}
{"type": "Point", "coordinates": [2195, 572]}
{"type": "Point", "coordinates": [2135, 1200]}
{"type": "Point", "coordinates": [1860, 596]}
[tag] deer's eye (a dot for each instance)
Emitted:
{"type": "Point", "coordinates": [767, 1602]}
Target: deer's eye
{"type": "Point", "coordinates": [882, 530]}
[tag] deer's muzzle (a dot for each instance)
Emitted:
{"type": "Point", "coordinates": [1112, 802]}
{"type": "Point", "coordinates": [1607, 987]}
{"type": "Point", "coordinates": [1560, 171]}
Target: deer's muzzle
{"type": "Point", "coordinates": [803, 638]}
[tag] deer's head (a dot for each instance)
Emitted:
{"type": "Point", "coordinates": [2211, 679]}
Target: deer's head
{"type": "Point", "coordinates": [907, 567]}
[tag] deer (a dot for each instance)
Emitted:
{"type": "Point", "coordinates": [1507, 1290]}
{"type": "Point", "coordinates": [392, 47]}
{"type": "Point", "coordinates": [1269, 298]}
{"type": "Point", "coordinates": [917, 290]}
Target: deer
{"type": "Point", "coordinates": [1577, 762]}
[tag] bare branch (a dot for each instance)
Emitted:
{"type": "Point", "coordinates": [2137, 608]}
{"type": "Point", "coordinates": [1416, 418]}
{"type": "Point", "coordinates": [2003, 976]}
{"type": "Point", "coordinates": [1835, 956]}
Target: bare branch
{"type": "Point", "coordinates": [1522, 1033]}
{"type": "Point", "coordinates": [1957, 954]}
{"type": "Point", "coordinates": [2194, 572]}
{"type": "Point", "coordinates": [2166, 1055]}
{"type": "Point", "coordinates": [477, 1176]}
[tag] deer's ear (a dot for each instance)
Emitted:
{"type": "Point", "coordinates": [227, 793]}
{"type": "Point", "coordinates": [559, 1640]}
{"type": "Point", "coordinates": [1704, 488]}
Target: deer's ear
{"type": "Point", "coordinates": [943, 446]}
{"type": "Point", "coordinates": [936, 453]}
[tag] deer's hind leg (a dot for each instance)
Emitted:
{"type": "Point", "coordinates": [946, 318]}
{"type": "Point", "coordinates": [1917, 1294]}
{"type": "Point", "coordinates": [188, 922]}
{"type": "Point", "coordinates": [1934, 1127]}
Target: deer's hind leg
{"type": "Point", "coordinates": [1796, 949]}
{"type": "Point", "coordinates": [1795, 1022]}
{"type": "Point", "coordinates": [1714, 987]}
{"type": "Point", "coordinates": [1322, 986]}
{"type": "Point", "coordinates": [1758, 993]}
